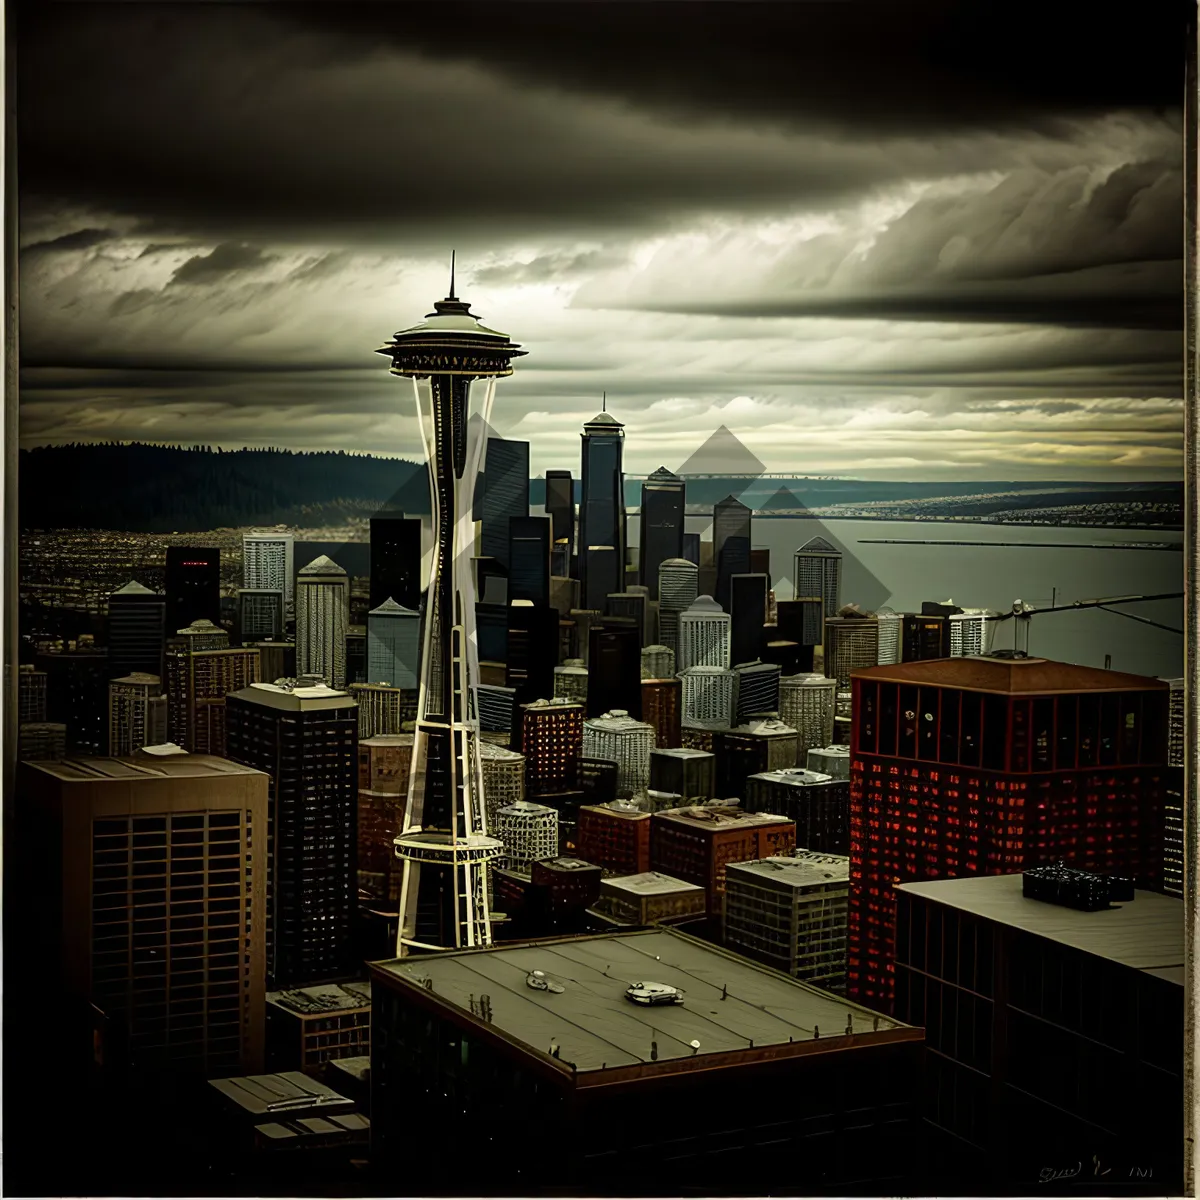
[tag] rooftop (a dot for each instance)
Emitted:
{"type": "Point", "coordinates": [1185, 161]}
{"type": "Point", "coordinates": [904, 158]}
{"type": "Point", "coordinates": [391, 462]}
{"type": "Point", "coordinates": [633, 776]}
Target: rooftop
{"type": "Point", "coordinates": [648, 883]}
{"type": "Point", "coordinates": [491, 750]}
{"type": "Point", "coordinates": [729, 1004]}
{"type": "Point", "coordinates": [323, 999]}
{"type": "Point", "coordinates": [1146, 935]}
{"type": "Point", "coordinates": [617, 721]}
{"type": "Point", "coordinates": [719, 816]}
{"type": "Point", "coordinates": [171, 766]}
{"type": "Point", "coordinates": [683, 752]}
{"type": "Point", "coordinates": [765, 727]}
{"type": "Point", "coordinates": [795, 872]}
{"type": "Point", "coordinates": [705, 606]}
{"type": "Point", "coordinates": [324, 565]}
{"type": "Point", "coordinates": [391, 608]}
{"type": "Point", "coordinates": [133, 588]}
{"type": "Point", "coordinates": [388, 739]}
{"type": "Point", "coordinates": [795, 777]}
{"type": "Point", "coordinates": [300, 698]}
{"type": "Point", "coordinates": [818, 545]}
{"type": "Point", "coordinates": [1009, 676]}
{"type": "Point", "coordinates": [261, 1095]}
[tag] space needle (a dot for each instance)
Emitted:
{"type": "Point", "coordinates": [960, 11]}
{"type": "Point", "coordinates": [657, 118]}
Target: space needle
{"type": "Point", "coordinates": [443, 845]}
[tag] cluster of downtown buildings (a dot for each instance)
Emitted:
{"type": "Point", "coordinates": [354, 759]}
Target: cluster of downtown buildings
{"type": "Point", "coordinates": [749, 870]}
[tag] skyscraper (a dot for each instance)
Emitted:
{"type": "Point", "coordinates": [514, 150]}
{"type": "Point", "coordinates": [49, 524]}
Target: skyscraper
{"type": "Point", "coordinates": [602, 511]}
{"type": "Point", "coordinates": [193, 585]}
{"type": "Point", "coordinates": [818, 573]}
{"type": "Point", "coordinates": [393, 644]}
{"type": "Point", "coordinates": [851, 642]}
{"type": "Point", "coordinates": [747, 617]}
{"type": "Point", "coordinates": [731, 545]}
{"type": "Point", "coordinates": [31, 694]}
{"type": "Point", "coordinates": [322, 620]}
{"type": "Point", "coordinates": [756, 691]}
{"type": "Point", "coordinates": [971, 633]}
{"type": "Point", "coordinates": [306, 740]}
{"type": "Point", "coordinates": [532, 651]}
{"type": "Point", "coordinates": [985, 766]}
{"type": "Point", "coordinates": [924, 637]}
{"type": "Point", "coordinates": [504, 495]}
{"type": "Point", "coordinates": [678, 580]}
{"type": "Point", "coordinates": [444, 900]}
{"type": "Point", "coordinates": [703, 635]}
{"type": "Point", "coordinates": [119, 852]}
{"type": "Point", "coordinates": [137, 713]}
{"type": "Point", "coordinates": [396, 561]}
{"type": "Point", "coordinates": [626, 741]}
{"type": "Point", "coordinates": [529, 560]}
{"type": "Point", "coordinates": [707, 695]}
{"type": "Point", "coordinates": [663, 500]}
{"type": "Point", "coordinates": [136, 630]}
{"type": "Point", "coordinates": [267, 563]}
{"type": "Point", "coordinates": [807, 703]}
{"type": "Point", "coordinates": [614, 671]}
{"type": "Point", "coordinates": [550, 735]}
{"type": "Point", "coordinates": [197, 686]}
{"type": "Point", "coordinates": [260, 614]}
{"type": "Point", "coordinates": [560, 508]}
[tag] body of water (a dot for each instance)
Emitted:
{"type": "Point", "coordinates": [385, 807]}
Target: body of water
{"type": "Point", "coordinates": [1062, 563]}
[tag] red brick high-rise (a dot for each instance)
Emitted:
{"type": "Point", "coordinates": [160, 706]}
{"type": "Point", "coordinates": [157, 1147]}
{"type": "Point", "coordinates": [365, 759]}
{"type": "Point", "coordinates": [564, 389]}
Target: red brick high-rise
{"type": "Point", "coordinates": [985, 766]}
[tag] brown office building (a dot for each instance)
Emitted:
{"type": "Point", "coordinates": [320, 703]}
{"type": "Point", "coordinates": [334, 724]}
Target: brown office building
{"type": "Point", "coordinates": [197, 684]}
{"type": "Point", "coordinates": [384, 763]}
{"type": "Point", "coordinates": [790, 1088]}
{"type": "Point", "coordinates": [151, 878]}
{"type": "Point", "coordinates": [550, 735]}
{"type": "Point", "coordinates": [696, 844]}
{"type": "Point", "coordinates": [661, 700]}
{"type": "Point", "coordinates": [614, 836]}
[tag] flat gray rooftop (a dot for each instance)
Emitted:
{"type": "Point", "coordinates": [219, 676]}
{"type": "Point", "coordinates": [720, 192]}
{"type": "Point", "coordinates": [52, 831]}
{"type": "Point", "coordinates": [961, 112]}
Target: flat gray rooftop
{"type": "Point", "coordinates": [595, 1025]}
{"type": "Point", "coordinates": [1146, 934]}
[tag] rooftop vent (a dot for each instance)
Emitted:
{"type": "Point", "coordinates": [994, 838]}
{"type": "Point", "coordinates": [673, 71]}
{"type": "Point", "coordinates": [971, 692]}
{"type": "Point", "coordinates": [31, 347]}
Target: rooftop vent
{"type": "Point", "coordinates": [652, 994]}
{"type": "Point", "coordinates": [1069, 888]}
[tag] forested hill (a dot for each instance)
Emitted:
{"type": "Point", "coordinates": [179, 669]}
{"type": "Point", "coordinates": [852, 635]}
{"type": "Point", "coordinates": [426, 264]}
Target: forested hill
{"type": "Point", "coordinates": [158, 489]}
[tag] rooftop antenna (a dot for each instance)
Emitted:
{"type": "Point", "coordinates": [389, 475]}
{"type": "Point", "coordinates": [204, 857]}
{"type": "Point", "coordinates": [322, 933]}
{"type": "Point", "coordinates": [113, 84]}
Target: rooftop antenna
{"type": "Point", "coordinates": [604, 402]}
{"type": "Point", "coordinates": [452, 296]}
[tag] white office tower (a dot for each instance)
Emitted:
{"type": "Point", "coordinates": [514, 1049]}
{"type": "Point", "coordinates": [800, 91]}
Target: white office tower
{"type": "Point", "coordinates": [617, 737]}
{"type": "Point", "coordinates": [891, 627]}
{"type": "Point", "coordinates": [322, 618]}
{"type": "Point", "coordinates": [267, 563]}
{"type": "Point", "coordinates": [571, 681]}
{"type": "Point", "coordinates": [707, 696]}
{"type": "Point", "coordinates": [833, 761]}
{"type": "Point", "coordinates": [393, 645]}
{"type": "Point", "coordinates": [704, 633]}
{"type": "Point", "coordinates": [260, 614]}
{"type": "Point", "coordinates": [817, 575]}
{"type": "Point", "coordinates": [503, 780]}
{"type": "Point", "coordinates": [756, 690]}
{"type": "Point", "coordinates": [971, 632]}
{"type": "Point", "coordinates": [529, 833]}
{"type": "Point", "coordinates": [658, 662]}
{"type": "Point", "coordinates": [137, 713]}
{"type": "Point", "coordinates": [807, 703]}
{"type": "Point", "coordinates": [678, 586]}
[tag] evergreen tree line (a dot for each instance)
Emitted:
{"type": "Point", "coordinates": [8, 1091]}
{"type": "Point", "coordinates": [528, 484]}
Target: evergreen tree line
{"type": "Point", "coordinates": [158, 489]}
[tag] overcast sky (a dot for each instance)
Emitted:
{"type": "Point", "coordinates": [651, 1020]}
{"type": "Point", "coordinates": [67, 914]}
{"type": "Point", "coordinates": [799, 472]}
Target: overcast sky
{"type": "Point", "coordinates": [894, 240]}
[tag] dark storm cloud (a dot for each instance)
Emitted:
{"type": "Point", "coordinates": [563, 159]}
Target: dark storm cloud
{"type": "Point", "coordinates": [264, 121]}
{"type": "Point", "coordinates": [868, 65]}
{"type": "Point", "coordinates": [80, 239]}
{"type": "Point", "coordinates": [226, 260]}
